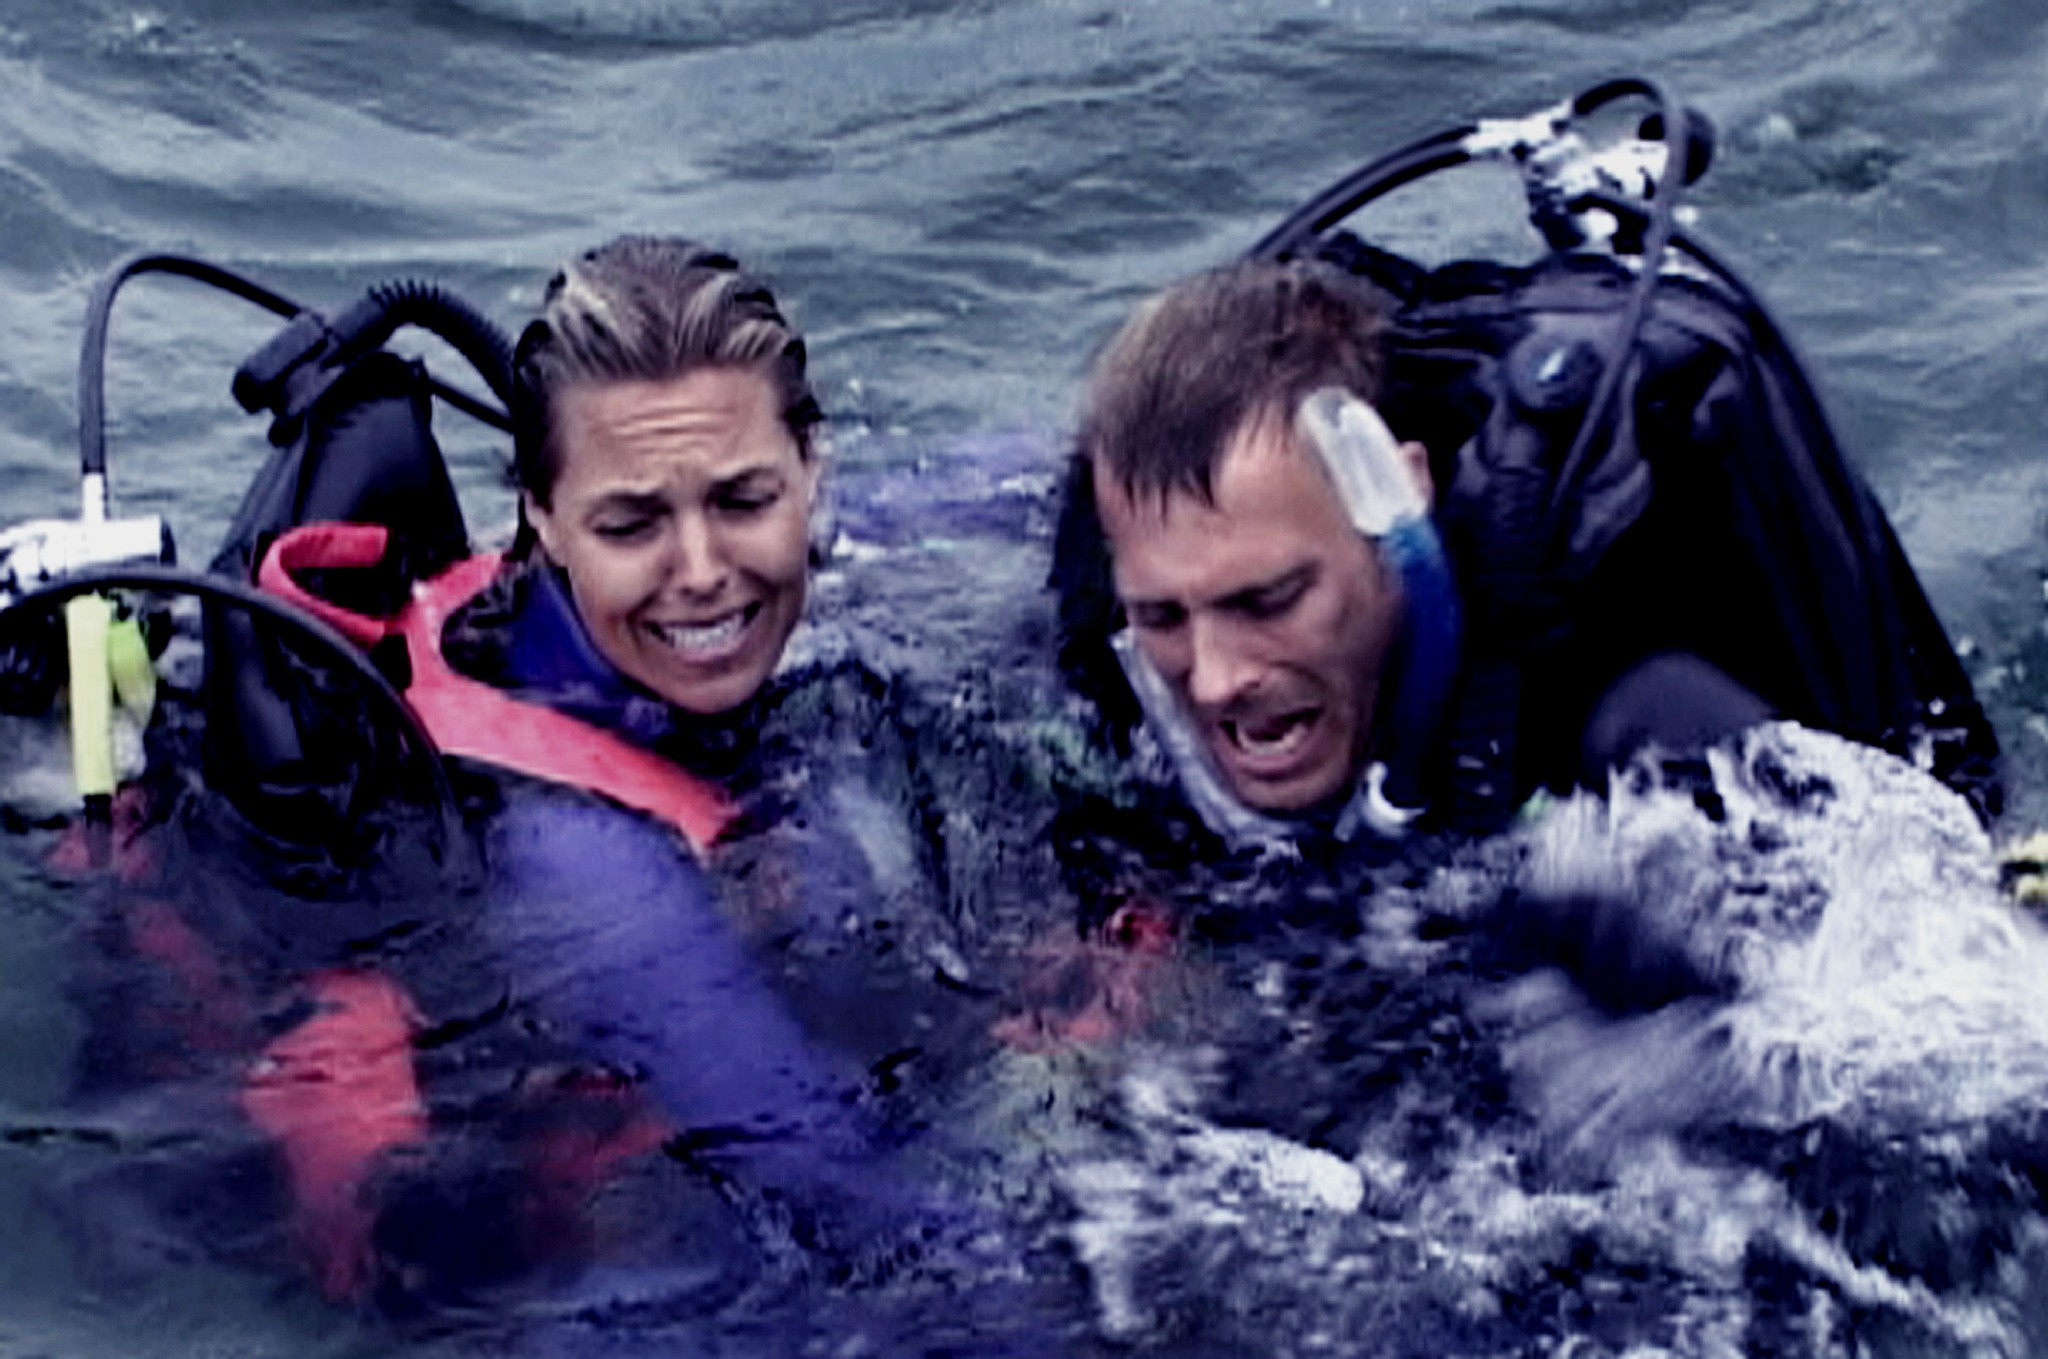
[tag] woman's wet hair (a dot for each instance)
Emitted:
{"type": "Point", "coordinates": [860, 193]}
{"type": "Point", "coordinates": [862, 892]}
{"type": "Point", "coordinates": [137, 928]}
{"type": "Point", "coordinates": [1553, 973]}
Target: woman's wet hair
{"type": "Point", "coordinates": [1217, 352]}
{"type": "Point", "coordinates": [648, 308]}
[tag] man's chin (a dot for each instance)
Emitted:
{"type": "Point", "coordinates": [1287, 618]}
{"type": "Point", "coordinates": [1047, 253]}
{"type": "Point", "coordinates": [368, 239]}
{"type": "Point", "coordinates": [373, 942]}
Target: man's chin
{"type": "Point", "coordinates": [1297, 792]}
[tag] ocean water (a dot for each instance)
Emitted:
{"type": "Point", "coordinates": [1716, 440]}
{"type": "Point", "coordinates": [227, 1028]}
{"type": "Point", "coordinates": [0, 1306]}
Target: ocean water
{"type": "Point", "coordinates": [958, 199]}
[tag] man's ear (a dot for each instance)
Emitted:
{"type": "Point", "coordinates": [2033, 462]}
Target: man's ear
{"type": "Point", "coordinates": [1416, 456]}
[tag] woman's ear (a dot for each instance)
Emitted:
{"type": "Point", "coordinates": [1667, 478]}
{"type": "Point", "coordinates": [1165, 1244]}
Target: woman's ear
{"type": "Point", "coordinates": [542, 523]}
{"type": "Point", "coordinates": [823, 530]}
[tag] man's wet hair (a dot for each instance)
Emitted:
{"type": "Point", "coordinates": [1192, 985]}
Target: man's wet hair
{"type": "Point", "coordinates": [1217, 353]}
{"type": "Point", "coordinates": [649, 308]}
{"type": "Point", "coordinates": [1194, 365]}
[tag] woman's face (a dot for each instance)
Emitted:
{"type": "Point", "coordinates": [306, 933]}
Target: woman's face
{"type": "Point", "coordinates": [681, 516]}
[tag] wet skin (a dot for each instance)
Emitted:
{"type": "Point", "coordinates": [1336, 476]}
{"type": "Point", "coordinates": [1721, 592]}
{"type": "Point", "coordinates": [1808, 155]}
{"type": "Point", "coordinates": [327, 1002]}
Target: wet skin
{"type": "Point", "coordinates": [1265, 612]}
{"type": "Point", "coordinates": [680, 517]}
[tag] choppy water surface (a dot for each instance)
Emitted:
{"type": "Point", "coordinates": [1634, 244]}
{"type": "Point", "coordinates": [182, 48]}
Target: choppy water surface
{"type": "Point", "coordinates": [1832, 1148]}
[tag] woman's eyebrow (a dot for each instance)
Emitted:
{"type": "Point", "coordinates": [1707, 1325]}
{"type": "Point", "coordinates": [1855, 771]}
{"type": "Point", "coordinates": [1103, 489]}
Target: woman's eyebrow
{"type": "Point", "coordinates": [642, 502]}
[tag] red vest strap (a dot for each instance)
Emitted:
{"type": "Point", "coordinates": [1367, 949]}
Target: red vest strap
{"type": "Point", "coordinates": [312, 546]}
{"type": "Point", "coordinates": [469, 718]}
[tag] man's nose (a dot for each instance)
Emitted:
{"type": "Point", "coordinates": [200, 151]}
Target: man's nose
{"type": "Point", "coordinates": [1219, 666]}
{"type": "Point", "coordinates": [697, 560]}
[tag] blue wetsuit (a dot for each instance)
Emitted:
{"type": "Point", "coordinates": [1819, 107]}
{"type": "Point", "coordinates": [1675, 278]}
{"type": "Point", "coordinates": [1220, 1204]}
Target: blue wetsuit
{"type": "Point", "coordinates": [616, 938]}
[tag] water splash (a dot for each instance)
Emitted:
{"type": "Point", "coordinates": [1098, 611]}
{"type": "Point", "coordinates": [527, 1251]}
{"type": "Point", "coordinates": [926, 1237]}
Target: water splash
{"type": "Point", "coordinates": [1814, 1132]}
{"type": "Point", "coordinates": [1840, 915]}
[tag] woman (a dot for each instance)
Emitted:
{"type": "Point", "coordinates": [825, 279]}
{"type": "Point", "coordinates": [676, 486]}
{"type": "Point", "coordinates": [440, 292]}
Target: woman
{"type": "Point", "coordinates": [747, 997]}
{"type": "Point", "coordinates": [666, 463]}
{"type": "Point", "coordinates": [669, 476]}
{"type": "Point", "coordinates": [667, 467]}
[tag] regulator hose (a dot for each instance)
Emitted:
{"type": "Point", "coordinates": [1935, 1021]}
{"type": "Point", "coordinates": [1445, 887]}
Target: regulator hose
{"type": "Point", "coordinates": [1360, 187]}
{"type": "Point", "coordinates": [431, 308]}
{"type": "Point", "coordinates": [1673, 121]}
{"type": "Point", "coordinates": [92, 356]}
{"type": "Point", "coordinates": [411, 302]}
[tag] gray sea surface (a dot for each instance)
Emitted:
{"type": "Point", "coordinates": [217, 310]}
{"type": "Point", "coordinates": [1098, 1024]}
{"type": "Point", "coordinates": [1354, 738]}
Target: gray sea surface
{"type": "Point", "coordinates": [958, 199]}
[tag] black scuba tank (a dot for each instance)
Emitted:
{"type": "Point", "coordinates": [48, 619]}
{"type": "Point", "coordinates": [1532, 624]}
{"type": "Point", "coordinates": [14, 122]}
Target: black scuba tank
{"type": "Point", "coordinates": [352, 441]}
{"type": "Point", "coordinates": [1631, 459]}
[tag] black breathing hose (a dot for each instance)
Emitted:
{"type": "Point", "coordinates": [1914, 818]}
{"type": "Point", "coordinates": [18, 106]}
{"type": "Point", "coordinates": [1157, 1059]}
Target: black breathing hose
{"type": "Point", "coordinates": [1663, 222]}
{"type": "Point", "coordinates": [410, 302]}
{"type": "Point", "coordinates": [1362, 186]}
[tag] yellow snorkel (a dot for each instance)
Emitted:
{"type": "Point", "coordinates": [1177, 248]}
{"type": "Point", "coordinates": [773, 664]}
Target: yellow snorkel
{"type": "Point", "coordinates": [87, 621]}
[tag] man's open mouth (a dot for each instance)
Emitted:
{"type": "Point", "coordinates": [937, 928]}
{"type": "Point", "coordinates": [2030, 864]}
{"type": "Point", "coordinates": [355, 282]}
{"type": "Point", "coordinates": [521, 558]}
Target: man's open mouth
{"type": "Point", "coordinates": [1271, 738]}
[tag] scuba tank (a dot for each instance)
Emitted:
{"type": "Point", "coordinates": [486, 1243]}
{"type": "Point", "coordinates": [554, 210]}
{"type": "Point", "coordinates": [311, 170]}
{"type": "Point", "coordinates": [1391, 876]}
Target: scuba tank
{"type": "Point", "coordinates": [352, 441]}
{"type": "Point", "coordinates": [1628, 458]}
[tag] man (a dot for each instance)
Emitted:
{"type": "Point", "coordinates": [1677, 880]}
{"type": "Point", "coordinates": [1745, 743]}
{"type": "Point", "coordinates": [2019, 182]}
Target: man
{"type": "Point", "coordinates": [1251, 562]}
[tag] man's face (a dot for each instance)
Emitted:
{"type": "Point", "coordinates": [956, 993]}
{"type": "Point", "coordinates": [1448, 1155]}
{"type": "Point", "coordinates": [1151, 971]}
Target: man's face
{"type": "Point", "coordinates": [1266, 613]}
